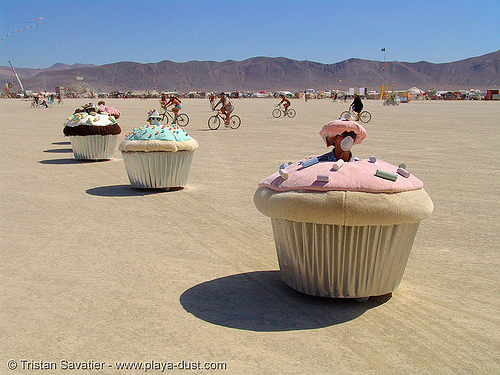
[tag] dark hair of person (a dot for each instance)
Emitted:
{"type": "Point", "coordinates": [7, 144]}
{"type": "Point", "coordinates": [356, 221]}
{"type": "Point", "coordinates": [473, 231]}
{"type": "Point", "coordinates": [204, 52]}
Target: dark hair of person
{"type": "Point", "coordinates": [347, 134]}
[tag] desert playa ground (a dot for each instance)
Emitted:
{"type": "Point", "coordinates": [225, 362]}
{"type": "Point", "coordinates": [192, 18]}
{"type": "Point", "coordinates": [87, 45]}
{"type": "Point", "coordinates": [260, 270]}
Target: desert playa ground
{"type": "Point", "coordinates": [93, 270]}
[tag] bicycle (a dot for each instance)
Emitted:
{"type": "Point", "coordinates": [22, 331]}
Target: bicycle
{"type": "Point", "coordinates": [41, 103]}
{"type": "Point", "coordinates": [280, 110]}
{"type": "Point", "coordinates": [215, 120]}
{"type": "Point", "coordinates": [391, 101]}
{"type": "Point", "coordinates": [182, 118]}
{"type": "Point", "coordinates": [364, 116]}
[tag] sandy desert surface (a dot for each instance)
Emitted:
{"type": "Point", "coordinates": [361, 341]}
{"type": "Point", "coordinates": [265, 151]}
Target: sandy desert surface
{"type": "Point", "coordinates": [93, 270]}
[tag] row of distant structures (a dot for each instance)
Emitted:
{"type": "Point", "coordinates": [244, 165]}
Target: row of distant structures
{"type": "Point", "coordinates": [403, 96]}
{"type": "Point", "coordinates": [84, 90]}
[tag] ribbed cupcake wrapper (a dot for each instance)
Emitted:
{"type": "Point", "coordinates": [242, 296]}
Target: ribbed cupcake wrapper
{"type": "Point", "coordinates": [342, 261]}
{"type": "Point", "coordinates": [93, 147]}
{"type": "Point", "coordinates": [158, 169]}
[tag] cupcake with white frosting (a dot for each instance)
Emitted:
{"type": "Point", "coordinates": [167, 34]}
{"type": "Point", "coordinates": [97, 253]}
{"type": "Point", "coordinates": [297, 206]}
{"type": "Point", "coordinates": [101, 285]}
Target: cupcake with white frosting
{"type": "Point", "coordinates": [93, 134]}
{"type": "Point", "coordinates": [343, 227]}
{"type": "Point", "coordinates": [158, 156]}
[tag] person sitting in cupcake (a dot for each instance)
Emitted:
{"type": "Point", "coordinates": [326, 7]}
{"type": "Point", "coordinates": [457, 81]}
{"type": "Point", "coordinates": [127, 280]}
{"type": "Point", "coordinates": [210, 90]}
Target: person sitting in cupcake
{"type": "Point", "coordinates": [103, 108]}
{"type": "Point", "coordinates": [342, 144]}
{"type": "Point", "coordinates": [88, 108]}
{"type": "Point", "coordinates": [153, 117]}
{"type": "Point", "coordinates": [342, 135]}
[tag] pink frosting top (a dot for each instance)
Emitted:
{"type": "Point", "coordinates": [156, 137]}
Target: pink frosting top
{"type": "Point", "coordinates": [109, 110]}
{"type": "Point", "coordinates": [337, 127]}
{"type": "Point", "coordinates": [352, 176]}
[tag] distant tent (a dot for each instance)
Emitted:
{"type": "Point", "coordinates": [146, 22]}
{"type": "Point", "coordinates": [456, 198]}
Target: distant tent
{"type": "Point", "coordinates": [138, 93]}
{"type": "Point", "coordinates": [415, 91]}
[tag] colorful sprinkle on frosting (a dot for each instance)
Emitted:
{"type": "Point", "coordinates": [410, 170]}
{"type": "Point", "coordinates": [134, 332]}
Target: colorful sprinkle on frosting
{"type": "Point", "coordinates": [158, 132]}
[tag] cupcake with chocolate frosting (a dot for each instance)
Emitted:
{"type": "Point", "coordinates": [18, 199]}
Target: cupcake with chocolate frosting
{"type": "Point", "coordinates": [93, 135]}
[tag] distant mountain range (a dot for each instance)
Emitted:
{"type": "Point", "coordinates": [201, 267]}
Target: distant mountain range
{"type": "Point", "coordinates": [265, 73]}
{"type": "Point", "coordinates": [6, 71]}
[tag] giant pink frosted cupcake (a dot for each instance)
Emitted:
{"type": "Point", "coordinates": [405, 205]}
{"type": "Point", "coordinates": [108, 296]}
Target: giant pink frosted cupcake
{"type": "Point", "coordinates": [343, 227]}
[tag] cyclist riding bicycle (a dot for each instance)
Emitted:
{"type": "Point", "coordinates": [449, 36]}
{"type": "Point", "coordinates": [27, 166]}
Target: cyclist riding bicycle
{"type": "Point", "coordinates": [211, 98]}
{"type": "Point", "coordinates": [286, 103]}
{"type": "Point", "coordinates": [163, 100]}
{"type": "Point", "coordinates": [357, 105]}
{"type": "Point", "coordinates": [175, 102]}
{"type": "Point", "coordinates": [226, 107]}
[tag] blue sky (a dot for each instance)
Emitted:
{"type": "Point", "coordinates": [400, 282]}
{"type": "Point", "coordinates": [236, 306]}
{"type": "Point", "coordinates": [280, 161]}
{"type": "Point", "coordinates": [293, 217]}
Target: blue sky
{"type": "Point", "coordinates": [324, 31]}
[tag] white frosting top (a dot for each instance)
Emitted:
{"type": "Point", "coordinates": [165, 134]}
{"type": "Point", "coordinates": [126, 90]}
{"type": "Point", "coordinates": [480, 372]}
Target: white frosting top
{"type": "Point", "coordinates": [93, 119]}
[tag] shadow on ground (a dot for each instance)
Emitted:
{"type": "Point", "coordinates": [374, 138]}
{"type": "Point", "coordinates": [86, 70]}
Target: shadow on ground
{"type": "Point", "coordinates": [69, 161]}
{"type": "Point", "coordinates": [59, 150]}
{"type": "Point", "coordinates": [261, 301]}
{"type": "Point", "coordinates": [210, 130]}
{"type": "Point", "coordinates": [61, 143]}
{"type": "Point", "coordinates": [127, 191]}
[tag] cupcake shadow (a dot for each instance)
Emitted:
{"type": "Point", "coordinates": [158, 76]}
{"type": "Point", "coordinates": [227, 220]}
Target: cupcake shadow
{"type": "Point", "coordinates": [70, 161]}
{"type": "Point", "coordinates": [127, 191]}
{"type": "Point", "coordinates": [59, 150]}
{"type": "Point", "coordinates": [261, 301]}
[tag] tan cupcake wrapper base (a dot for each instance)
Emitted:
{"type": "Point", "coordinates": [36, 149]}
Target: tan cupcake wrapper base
{"type": "Point", "coordinates": [158, 169]}
{"type": "Point", "coordinates": [93, 147]}
{"type": "Point", "coordinates": [342, 261]}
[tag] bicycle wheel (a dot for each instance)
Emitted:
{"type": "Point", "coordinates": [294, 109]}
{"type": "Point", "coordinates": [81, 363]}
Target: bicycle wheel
{"type": "Point", "coordinates": [235, 122]}
{"type": "Point", "coordinates": [346, 115]}
{"type": "Point", "coordinates": [365, 116]}
{"type": "Point", "coordinates": [164, 117]}
{"type": "Point", "coordinates": [183, 119]}
{"type": "Point", "coordinates": [214, 122]}
{"type": "Point", "coordinates": [276, 112]}
{"type": "Point", "coordinates": [291, 113]}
